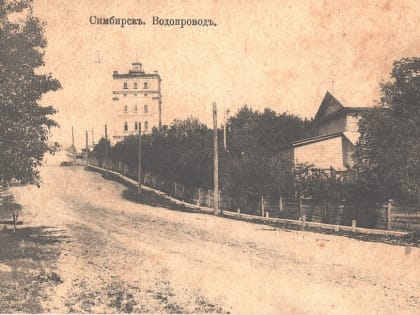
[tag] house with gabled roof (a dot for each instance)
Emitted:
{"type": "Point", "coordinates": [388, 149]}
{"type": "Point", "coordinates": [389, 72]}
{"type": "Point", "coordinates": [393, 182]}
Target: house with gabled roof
{"type": "Point", "coordinates": [337, 128]}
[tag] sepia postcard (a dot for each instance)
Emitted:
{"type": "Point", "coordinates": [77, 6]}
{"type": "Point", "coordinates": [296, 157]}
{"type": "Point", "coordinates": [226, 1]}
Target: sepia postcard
{"type": "Point", "coordinates": [215, 156]}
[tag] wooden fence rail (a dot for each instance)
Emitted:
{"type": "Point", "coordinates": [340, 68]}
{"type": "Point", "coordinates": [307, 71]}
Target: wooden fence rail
{"type": "Point", "coordinates": [390, 215]}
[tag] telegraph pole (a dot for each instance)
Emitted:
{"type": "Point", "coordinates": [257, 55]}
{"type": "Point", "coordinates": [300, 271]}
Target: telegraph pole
{"type": "Point", "coordinates": [73, 149]}
{"type": "Point", "coordinates": [87, 149]}
{"type": "Point", "coordinates": [139, 167]}
{"type": "Point", "coordinates": [106, 151]}
{"type": "Point", "coordinates": [225, 118]}
{"type": "Point", "coordinates": [217, 211]}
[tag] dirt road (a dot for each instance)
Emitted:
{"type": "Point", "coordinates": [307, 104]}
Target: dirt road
{"type": "Point", "coordinates": [86, 249]}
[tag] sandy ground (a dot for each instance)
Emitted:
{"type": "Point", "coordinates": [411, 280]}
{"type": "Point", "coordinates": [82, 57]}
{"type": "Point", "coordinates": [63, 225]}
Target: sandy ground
{"type": "Point", "coordinates": [102, 253]}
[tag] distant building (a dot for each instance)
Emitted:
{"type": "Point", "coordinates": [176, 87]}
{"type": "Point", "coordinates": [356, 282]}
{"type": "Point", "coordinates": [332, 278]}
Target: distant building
{"type": "Point", "coordinates": [136, 99]}
{"type": "Point", "coordinates": [337, 127]}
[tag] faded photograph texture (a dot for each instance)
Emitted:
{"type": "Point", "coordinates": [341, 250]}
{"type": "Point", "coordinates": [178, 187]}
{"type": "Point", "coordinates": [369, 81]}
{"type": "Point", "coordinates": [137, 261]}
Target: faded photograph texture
{"type": "Point", "coordinates": [229, 157]}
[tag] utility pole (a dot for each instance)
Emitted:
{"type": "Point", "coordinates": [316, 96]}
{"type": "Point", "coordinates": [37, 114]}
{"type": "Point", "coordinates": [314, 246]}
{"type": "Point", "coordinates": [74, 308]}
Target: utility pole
{"type": "Point", "coordinates": [73, 149]}
{"type": "Point", "coordinates": [225, 118]}
{"type": "Point", "coordinates": [106, 151]}
{"type": "Point", "coordinates": [87, 149]}
{"type": "Point", "coordinates": [217, 211]}
{"type": "Point", "coordinates": [139, 167]}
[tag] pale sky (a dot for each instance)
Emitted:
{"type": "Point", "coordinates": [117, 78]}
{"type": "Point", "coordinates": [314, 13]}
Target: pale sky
{"type": "Point", "coordinates": [279, 54]}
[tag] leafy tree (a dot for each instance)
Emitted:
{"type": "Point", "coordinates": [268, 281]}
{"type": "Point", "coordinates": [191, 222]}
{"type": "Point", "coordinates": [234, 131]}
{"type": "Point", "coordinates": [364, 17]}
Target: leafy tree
{"type": "Point", "coordinates": [250, 167]}
{"type": "Point", "coordinates": [266, 133]}
{"type": "Point", "coordinates": [181, 153]}
{"type": "Point", "coordinates": [100, 148]}
{"type": "Point", "coordinates": [24, 124]}
{"type": "Point", "coordinates": [319, 184]}
{"type": "Point", "coordinates": [387, 155]}
{"type": "Point", "coordinates": [254, 165]}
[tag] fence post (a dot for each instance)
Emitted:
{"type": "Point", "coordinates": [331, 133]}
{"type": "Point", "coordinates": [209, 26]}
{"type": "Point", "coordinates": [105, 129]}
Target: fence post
{"type": "Point", "coordinates": [326, 210]}
{"type": "Point", "coordinates": [281, 204]}
{"type": "Point", "coordinates": [353, 226]}
{"type": "Point", "coordinates": [14, 221]}
{"type": "Point", "coordinates": [208, 198]}
{"type": "Point", "coordinates": [199, 197]}
{"type": "Point", "coordinates": [389, 214]}
{"type": "Point", "coordinates": [262, 206]}
{"type": "Point", "coordinates": [300, 207]}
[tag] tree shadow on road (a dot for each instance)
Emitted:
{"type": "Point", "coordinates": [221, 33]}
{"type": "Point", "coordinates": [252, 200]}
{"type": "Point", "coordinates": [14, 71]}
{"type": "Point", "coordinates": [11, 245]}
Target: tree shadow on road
{"type": "Point", "coordinates": [152, 199]}
{"type": "Point", "coordinates": [26, 260]}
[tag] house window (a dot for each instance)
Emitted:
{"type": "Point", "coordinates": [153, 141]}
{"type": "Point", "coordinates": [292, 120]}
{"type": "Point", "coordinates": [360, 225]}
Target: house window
{"type": "Point", "coordinates": [125, 85]}
{"type": "Point", "coordinates": [145, 85]}
{"type": "Point", "coordinates": [125, 126]}
{"type": "Point", "coordinates": [146, 109]}
{"type": "Point", "coordinates": [135, 108]}
{"type": "Point", "coordinates": [146, 125]}
{"type": "Point", "coordinates": [136, 125]}
{"type": "Point", "coordinates": [125, 108]}
{"type": "Point", "coordinates": [145, 94]}
{"type": "Point", "coordinates": [135, 85]}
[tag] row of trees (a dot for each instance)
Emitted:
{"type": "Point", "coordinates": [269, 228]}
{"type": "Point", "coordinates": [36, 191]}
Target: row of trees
{"type": "Point", "coordinates": [386, 157]}
{"type": "Point", "coordinates": [250, 165]}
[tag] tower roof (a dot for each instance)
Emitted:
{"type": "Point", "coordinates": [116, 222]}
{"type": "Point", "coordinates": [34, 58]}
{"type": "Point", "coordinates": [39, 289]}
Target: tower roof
{"type": "Point", "coordinates": [135, 71]}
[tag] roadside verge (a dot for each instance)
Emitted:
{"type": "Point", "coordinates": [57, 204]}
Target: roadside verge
{"type": "Point", "coordinates": [387, 236]}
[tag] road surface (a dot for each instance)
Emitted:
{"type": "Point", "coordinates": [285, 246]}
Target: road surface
{"type": "Point", "coordinates": [94, 251]}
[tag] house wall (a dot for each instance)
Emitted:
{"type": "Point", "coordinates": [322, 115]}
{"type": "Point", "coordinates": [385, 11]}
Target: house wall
{"type": "Point", "coordinates": [348, 149]}
{"type": "Point", "coordinates": [334, 125]}
{"type": "Point", "coordinates": [352, 121]}
{"type": "Point", "coordinates": [323, 154]}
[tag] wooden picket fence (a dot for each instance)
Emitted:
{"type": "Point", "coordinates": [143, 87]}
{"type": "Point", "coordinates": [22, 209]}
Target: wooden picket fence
{"type": "Point", "coordinates": [390, 215]}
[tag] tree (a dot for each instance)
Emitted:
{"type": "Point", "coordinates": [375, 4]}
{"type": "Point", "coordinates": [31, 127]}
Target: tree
{"type": "Point", "coordinates": [387, 155]}
{"type": "Point", "coordinates": [319, 184]}
{"type": "Point", "coordinates": [254, 164]}
{"type": "Point", "coordinates": [24, 124]}
{"type": "Point", "coordinates": [182, 153]}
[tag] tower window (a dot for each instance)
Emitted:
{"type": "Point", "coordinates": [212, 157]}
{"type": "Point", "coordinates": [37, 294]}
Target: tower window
{"type": "Point", "coordinates": [125, 126]}
{"type": "Point", "coordinates": [146, 125]}
{"type": "Point", "coordinates": [125, 108]}
{"type": "Point", "coordinates": [146, 109]}
{"type": "Point", "coordinates": [145, 85]}
{"type": "Point", "coordinates": [125, 85]}
{"type": "Point", "coordinates": [135, 85]}
{"type": "Point", "coordinates": [135, 108]}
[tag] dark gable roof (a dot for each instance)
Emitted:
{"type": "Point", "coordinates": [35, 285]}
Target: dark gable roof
{"type": "Point", "coordinates": [316, 139]}
{"type": "Point", "coordinates": [319, 138]}
{"type": "Point", "coordinates": [330, 101]}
